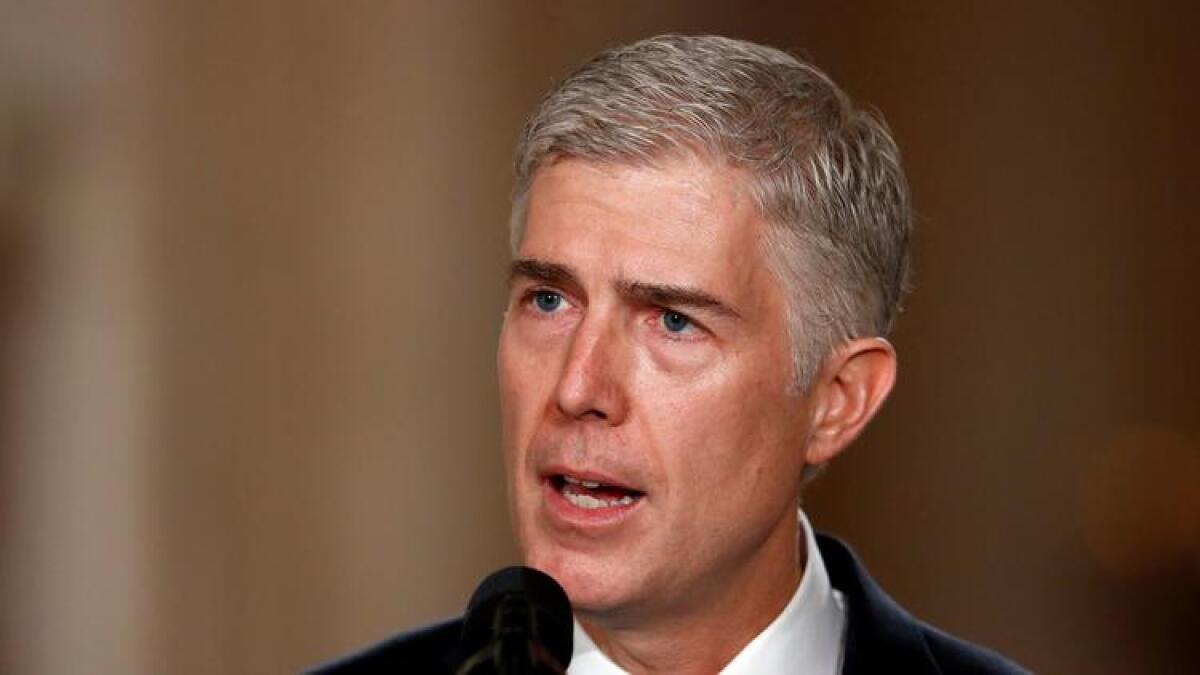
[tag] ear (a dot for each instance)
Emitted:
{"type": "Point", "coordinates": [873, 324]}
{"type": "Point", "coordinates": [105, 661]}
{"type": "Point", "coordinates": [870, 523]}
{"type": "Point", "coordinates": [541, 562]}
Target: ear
{"type": "Point", "coordinates": [847, 393]}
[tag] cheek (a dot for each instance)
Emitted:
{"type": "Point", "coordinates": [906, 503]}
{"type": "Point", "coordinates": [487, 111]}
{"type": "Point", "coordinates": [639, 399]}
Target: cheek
{"type": "Point", "coordinates": [508, 371]}
{"type": "Point", "coordinates": [742, 436]}
{"type": "Point", "coordinates": [525, 384]}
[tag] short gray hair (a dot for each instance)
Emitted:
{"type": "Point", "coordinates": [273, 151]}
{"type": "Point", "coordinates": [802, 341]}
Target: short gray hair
{"type": "Point", "coordinates": [826, 176]}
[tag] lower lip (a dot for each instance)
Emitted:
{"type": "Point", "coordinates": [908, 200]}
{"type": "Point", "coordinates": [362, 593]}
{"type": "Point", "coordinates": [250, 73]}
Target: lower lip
{"type": "Point", "coordinates": [563, 511]}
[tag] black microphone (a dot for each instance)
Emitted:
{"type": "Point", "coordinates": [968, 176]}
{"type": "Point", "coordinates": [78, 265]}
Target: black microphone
{"type": "Point", "coordinates": [518, 622]}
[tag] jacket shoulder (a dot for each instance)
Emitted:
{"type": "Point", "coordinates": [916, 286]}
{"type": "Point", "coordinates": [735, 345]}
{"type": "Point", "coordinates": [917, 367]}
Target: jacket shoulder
{"type": "Point", "coordinates": [955, 656]}
{"type": "Point", "coordinates": [882, 637]}
{"type": "Point", "coordinates": [432, 649]}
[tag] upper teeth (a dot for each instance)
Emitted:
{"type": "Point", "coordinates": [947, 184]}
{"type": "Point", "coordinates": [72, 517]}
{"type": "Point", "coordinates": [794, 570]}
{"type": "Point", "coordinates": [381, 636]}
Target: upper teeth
{"type": "Point", "coordinates": [590, 484]}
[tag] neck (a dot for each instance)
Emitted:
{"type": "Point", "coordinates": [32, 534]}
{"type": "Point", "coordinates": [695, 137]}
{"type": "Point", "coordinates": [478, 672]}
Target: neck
{"type": "Point", "coordinates": [712, 630]}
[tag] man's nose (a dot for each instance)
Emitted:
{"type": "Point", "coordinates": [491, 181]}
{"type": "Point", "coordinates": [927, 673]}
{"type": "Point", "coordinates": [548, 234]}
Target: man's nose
{"type": "Point", "coordinates": [593, 380]}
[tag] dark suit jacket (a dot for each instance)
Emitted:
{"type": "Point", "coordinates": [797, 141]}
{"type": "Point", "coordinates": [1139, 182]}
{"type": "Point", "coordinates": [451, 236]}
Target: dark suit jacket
{"type": "Point", "coordinates": [880, 637]}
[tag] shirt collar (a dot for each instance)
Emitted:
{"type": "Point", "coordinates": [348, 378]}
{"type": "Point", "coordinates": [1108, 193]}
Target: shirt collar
{"type": "Point", "coordinates": [806, 637]}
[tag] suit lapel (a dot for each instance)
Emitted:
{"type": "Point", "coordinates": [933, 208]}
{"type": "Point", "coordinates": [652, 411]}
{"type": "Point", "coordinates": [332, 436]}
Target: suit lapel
{"type": "Point", "coordinates": [880, 636]}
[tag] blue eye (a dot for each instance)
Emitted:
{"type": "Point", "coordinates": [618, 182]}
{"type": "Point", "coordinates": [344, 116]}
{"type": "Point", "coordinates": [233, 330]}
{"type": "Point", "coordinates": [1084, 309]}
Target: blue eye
{"type": "Point", "coordinates": [675, 322]}
{"type": "Point", "coordinates": [547, 301]}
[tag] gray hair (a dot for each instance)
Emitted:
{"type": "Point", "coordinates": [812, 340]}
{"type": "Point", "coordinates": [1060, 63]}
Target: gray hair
{"type": "Point", "coordinates": [825, 175]}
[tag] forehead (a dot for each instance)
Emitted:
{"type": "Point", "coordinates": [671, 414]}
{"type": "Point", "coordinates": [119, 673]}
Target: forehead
{"type": "Point", "coordinates": [684, 220]}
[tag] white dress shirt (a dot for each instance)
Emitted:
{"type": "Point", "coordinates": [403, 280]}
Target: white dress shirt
{"type": "Point", "coordinates": [807, 636]}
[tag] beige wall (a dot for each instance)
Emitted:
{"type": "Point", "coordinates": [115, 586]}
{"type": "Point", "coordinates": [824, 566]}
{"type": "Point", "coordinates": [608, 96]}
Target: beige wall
{"type": "Point", "coordinates": [251, 273]}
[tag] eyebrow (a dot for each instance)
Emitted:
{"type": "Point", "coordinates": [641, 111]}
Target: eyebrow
{"type": "Point", "coordinates": [671, 295]}
{"type": "Point", "coordinates": [665, 295]}
{"type": "Point", "coordinates": [540, 271]}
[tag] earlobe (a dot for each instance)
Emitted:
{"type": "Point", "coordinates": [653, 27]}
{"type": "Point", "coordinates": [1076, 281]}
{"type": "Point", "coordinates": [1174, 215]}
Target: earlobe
{"type": "Point", "coordinates": [851, 388]}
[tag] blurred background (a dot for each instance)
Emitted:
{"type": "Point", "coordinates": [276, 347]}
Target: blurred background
{"type": "Point", "coordinates": [252, 260]}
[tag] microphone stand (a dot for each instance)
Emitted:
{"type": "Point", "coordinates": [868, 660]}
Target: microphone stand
{"type": "Point", "coordinates": [514, 648]}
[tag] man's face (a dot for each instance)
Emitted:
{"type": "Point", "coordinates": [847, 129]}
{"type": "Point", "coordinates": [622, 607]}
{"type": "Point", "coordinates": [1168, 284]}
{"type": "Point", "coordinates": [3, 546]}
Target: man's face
{"type": "Point", "coordinates": [652, 446]}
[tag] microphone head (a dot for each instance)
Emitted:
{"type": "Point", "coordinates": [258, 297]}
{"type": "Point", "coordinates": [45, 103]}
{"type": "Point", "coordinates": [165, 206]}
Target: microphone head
{"type": "Point", "coordinates": [524, 602]}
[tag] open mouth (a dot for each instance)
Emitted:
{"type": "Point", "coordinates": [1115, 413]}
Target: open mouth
{"type": "Point", "coordinates": [591, 495]}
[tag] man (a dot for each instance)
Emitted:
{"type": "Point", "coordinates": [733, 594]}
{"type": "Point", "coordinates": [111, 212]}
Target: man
{"type": "Point", "coordinates": [710, 244]}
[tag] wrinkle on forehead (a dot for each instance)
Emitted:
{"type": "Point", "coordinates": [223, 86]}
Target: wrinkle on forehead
{"type": "Point", "coordinates": [680, 207]}
{"type": "Point", "coordinates": [688, 186]}
{"type": "Point", "coordinates": [687, 222]}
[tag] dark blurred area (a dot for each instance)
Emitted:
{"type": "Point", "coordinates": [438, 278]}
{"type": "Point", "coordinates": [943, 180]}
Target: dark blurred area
{"type": "Point", "coordinates": [252, 262]}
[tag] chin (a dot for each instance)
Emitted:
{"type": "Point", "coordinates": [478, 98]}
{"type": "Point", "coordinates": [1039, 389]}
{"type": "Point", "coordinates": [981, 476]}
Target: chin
{"type": "Point", "coordinates": [593, 585]}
